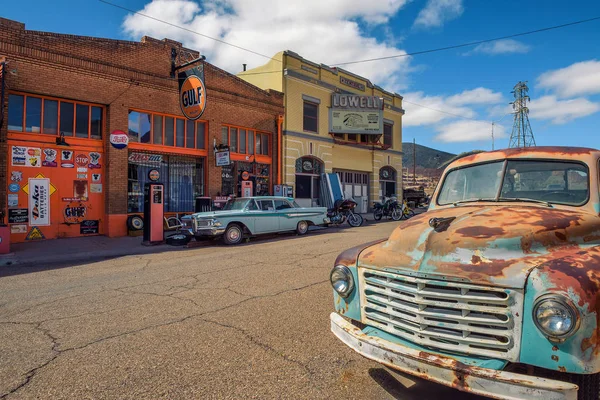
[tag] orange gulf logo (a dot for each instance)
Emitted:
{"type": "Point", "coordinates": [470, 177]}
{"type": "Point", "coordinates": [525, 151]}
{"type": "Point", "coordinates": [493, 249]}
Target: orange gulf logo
{"type": "Point", "coordinates": [192, 97]}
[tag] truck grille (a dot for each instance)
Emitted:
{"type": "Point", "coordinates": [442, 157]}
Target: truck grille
{"type": "Point", "coordinates": [202, 223]}
{"type": "Point", "coordinates": [442, 315]}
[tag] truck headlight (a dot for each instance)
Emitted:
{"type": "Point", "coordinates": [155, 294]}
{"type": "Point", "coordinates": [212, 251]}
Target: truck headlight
{"type": "Point", "coordinates": [342, 280]}
{"type": "Point", "coordinates": [216, 222]}
{"type": "Point", "coordinates": [555, 316]}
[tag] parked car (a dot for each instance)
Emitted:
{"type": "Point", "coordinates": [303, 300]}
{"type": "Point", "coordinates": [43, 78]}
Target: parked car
{"type": "Point", "coordinates": [494, 290]}
{"type": "Point", "coordinates": [249, 216]}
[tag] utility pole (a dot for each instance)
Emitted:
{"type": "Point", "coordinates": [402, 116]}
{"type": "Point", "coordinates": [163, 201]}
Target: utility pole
{"type": "Point", "coordinates": [522, 135]}
{"type": "Point", "coordinates": [414, 161]}
{"type": "Point", "coordinates": [494, 123]}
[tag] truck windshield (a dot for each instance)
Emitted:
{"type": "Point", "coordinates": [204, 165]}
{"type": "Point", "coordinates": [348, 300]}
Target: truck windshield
{"type": "Point", "coordinates": [555, 182]}
{"type": "Point", "coordinates": [235, 204]}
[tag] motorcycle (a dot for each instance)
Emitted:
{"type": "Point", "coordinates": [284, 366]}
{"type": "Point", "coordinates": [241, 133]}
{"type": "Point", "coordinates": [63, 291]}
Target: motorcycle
{"type": "Point", "coordinates": [389, 208]}
{"type": "Point", "coordinates": [343, 210]}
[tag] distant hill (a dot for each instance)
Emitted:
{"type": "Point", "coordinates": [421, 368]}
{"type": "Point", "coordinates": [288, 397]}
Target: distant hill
{"type": "Point", "coordinates": [426, 156]}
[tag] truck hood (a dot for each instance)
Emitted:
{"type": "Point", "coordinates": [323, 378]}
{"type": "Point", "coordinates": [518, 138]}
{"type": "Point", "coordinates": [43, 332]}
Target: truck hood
{"type": "Point", "coordinates": [491, 245]}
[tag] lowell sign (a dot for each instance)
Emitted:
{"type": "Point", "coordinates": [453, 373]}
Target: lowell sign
{"type": "Point", "coordinates": [356, 101]}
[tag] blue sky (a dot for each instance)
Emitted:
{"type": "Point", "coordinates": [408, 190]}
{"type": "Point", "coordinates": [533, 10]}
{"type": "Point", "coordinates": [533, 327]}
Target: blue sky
{"type": "Point", "coordinates": [562, 66]}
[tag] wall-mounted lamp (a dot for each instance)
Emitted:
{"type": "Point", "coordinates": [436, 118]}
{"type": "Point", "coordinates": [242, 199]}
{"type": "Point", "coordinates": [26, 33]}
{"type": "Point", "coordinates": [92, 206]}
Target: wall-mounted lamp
{"type": "Point", "coordinates": [60, 141]}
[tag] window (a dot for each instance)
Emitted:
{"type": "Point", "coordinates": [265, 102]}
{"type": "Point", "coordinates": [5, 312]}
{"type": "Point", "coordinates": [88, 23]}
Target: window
{"type": "Point", "coordinates": [352, 137]}
{"type": "Point", "coordinates": [233, 140]}
{"type": "Point", "coordinates": [266, 205]}
{"type": "Point", "coordinates": [243, 141]}
{"type": "Point", "coordinates": [303, 186]}
{"type": "Point", "coordinates": [200, 135]}
{"type": "Point", "coordinates": [15, 112]}
{"type": "Point", "coordinates": [139, 127]}
{"type": "Point", "coordinates": [252, 206]}
{"type": "Point", "coordinates": [165, 130]}
{"type": "Point", "coordinates": [258, 144]}
{"type": "Point", "coordinates": [311, 112]}
{"type": "Point", "coordinates": [169, 132]}
{"type": "Point", "coordinates": [179, 132]}
{"type": "Point", "coordinates": [388, 134]}
{"type": "Point", "coordinates": [265, 145]}
{"type": "Point", "coordinates": [225, 135]}
{"type": "Point", "coordinates": [282, 205]}
{"type": "Point", "coordinates": [250, 142]}
{"type": "Point", "coordinates": [52, 116]}
{"type": "Point", "coordinates": [157, 129]}
{"type": "Point", "coordinates": [190, 134]}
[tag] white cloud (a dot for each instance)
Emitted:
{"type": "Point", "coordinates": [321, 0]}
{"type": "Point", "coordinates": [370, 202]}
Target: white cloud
{"type": "Point", "coordinates": [460, 105]}
{"type": "Point", "coordinates": [469, 131]}
{"type": "Point", "coordinates": [561, 111]}
{"type": "Point", "coordinates": [575, 80]}
{"type": "Point", "coordinates": [501, 47]}
{"type": "Point", "coordinates": [322, 31]}
{"type": "Point", "coordinates": [436, 12]}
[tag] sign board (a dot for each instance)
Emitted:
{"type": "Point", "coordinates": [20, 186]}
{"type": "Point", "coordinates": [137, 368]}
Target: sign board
{"type": "Point", "coordinates": [356, 122]}
{"type": "Point", "coordinates": [87, 227]}
{"type": "Point", "coordinates": [39, 201]}
{"type": "Point", "coordinates": [356, 102]}
{"type": "Point", "coordinates": [119, 139]}
{"type": "Point", "coordinates": [192, 92]}
{"type": "Point", "coordinates": [143, 158]}
{"type": "Point", "coordinates": [18, 215]}
{"type": "Point", "coordinates": [222, 158]}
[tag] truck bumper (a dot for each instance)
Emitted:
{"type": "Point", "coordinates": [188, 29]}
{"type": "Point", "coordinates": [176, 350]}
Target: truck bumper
{"type": "Point", "coordinates": [450, 372]}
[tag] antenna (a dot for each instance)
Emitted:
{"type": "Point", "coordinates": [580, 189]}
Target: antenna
{"type": "Point", "coordinates": [522, 135]}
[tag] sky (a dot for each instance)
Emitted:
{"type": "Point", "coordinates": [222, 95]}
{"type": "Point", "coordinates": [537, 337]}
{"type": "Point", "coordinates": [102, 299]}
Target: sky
{"type": "Point", "coordinates": [453, 98]}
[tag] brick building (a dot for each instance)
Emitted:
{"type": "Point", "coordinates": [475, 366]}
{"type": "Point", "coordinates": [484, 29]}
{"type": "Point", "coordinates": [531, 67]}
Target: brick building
{"type": "Point", "coordinates": [63, 97]}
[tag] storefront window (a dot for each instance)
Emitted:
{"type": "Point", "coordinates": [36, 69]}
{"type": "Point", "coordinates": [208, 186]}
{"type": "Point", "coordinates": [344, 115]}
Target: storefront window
{"type": "Point", "coordinates": [96, 126]}
{"type": "Point", "coordinates": [169, 131]}
{"type": "Point", "coordinates": [190, 134]}
{"type": "Point", "coordinates": [33, 114]}
{"type": "Point", "coordinates": [15, 112]}
{"type": "Point", "coordinates": [308, 178]}
{"type": "Point", "coordinates": [180, 133]}
{"type": "Point", "coordinates": [157, 129]}
{"type": "Point", "coordinates": [387, 134]}
{"type": "Point", "coordinates": [387, 181]}
{"type": "Point", "coordinates": [183, 178]}
{"type": "Point", "coordinates": [82, 121]}
{"type": "Point", "coordinates": [250, 142]}
{"type": "Point", "coordinates": [67, 114]}
{"type": "Point", "coordinates": [243, 141]}
{"type": "Point", "coordinates": [200, 135]}
{"type": "Point", "coordinates": [233, 140]}
{"type": "Point", "coordinates": [310, 119]}
{"type": "Point", "coordinates": [50, 117]}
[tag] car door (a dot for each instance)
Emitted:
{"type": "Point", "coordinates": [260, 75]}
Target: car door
{"type": "Point", "coordinates": [288, 215]}
{"type": "Point", "coordinates": [266, 219]}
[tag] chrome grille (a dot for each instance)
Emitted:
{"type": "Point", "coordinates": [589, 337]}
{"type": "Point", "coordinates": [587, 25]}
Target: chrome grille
{"type": "Point", "coordinates": [202, 223]}
{"type": "Point", "coordinates": [448, 316]}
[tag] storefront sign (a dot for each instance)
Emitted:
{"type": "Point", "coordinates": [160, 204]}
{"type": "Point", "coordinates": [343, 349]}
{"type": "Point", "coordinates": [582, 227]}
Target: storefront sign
{"type": "Point", "coordinates": [35, 234]}
{"type": "Point", "coordinates": [18, 216]}
{"type": "Point", "coordinates": [66, 159]}
{"type": "Point", "coordinates": [119, 139]}
{"type": "Point", "coordinates": [89, 227]}
{"type": "Point", "coordinates": [356, 101]}
{"type": "Point", "coordinates": [74, 213]}
{"type": "Point", "coordinates": [357, 122]}
{"type": "Point", "coordinates": [222, 158]}
{"type": "Point", "coordinates": [352, 84]}
{"type": "Point", "coordinates": [18, 229]}
{"type": "Point", "coordinates": [13, 200]}
{"type": "Point", "coordinates": [50, 158]}
{"type": "Point", "coordinates": [192, 93]}
{"type": "Point", "coordinates": [138, 158]}
{"type": "Point", "coordinates": [94, 160]}
{"type": "Point", "coordinates": [154, 175]}
{"type": "Point", "coordinates": [39, 201]}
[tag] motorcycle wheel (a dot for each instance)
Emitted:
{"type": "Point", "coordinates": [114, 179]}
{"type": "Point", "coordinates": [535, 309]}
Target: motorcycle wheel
{"type": "Point", "coordinates": [377, 214]}
{"type": "Point", "coordinates": [355, 220]}
{"type": "Point", "coordinates": [396, 215]}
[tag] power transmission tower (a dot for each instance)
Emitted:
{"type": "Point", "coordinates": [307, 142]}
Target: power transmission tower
{"type": "Point", "coordinates": [522, 135]}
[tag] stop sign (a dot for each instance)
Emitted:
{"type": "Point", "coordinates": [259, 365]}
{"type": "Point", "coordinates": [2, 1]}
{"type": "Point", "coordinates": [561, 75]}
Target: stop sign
{"type": "Point", "coordinates": [82, 160]}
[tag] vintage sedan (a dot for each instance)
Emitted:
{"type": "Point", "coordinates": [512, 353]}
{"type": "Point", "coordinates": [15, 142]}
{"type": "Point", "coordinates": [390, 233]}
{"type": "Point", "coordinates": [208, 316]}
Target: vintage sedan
{"type": "Point", "coordinates": [495, 290]}
{"type": "Point", "coordinates": [250, 216]}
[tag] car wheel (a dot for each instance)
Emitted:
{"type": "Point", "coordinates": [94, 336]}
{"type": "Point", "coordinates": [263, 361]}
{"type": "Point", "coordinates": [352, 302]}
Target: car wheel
{"type": "Point", "coordinates": [233, 234]}
{"type": "Point", "coordinates": [302, 228]}
{"type": "Point", "coordinates": [377, 215]}
{"type": "Point", "coordinates": [178, 240]}
{"type": "Point", "coordinates": [135, 223]}
{"type": "Point", "coordinates": [355, 220]}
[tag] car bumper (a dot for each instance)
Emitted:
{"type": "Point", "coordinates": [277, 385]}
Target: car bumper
{"type": "Point", "coordinates": [449, 372]}
{"type": "Point", "coordinates": [206, 232]}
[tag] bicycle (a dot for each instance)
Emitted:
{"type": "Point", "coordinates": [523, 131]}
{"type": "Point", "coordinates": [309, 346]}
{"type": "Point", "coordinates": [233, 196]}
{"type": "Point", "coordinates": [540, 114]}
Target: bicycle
{"type": "Point", "coordinates": [407, 212]}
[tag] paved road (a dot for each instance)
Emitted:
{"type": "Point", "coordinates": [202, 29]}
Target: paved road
{"type": "Point", "coordinates": [212, 322]}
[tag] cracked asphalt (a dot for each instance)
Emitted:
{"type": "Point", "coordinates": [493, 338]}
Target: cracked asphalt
{"type": "Point", "coordinates": [213, 322]}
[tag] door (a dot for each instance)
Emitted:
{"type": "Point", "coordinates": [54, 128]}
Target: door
{"type": "Point", "coordinates": [267, 219]}
{"type": "Point", "coordinates": [288, 215]}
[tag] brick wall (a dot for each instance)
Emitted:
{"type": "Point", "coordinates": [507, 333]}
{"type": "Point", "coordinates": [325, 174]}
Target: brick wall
{"type": "Point", "coordinates": [122, 75]}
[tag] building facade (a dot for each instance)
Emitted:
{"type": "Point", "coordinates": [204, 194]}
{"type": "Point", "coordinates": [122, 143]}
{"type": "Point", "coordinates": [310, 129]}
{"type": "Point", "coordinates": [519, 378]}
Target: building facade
{"type": "Point", "coordinates": [335, 121]}
{"type": "Point", "coordinates": [85, 120]}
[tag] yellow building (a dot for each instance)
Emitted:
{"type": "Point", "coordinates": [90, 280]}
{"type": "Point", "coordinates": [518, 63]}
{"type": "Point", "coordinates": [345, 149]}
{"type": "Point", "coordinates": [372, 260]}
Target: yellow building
{"type": "Point", "coordinates": [335, 121]}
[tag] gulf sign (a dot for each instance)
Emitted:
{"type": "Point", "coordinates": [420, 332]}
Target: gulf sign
{"type": "Point", "coordinates": [119, 139]}
{"type": "Point", "coordinates": [192, 97]}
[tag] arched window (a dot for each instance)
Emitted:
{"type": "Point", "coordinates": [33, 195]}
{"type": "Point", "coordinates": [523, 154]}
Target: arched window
{"type": "Point", "coordinates": [387, 181]}
{"type": "Point", "coordinates": [308, 180]}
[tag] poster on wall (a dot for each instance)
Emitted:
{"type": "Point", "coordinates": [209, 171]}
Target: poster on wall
{"type": "Point", "coordinates": [66, 159]}
{"type": "Point", "coordinates": [80, 190]}
{"type": "Point", "coordinates": [222, 158]}
{"type": "Point", "coordinates": [13, 200]}
{"type": "Point", "coordinates": [39, 201]}
{"type": "Point", "coordinates": [18, 216]}
{"type": "Point", "coordinates": [18, 156]}
{"type": "Point", "coordinates": [88, 227]}
{"type": "Point", "coordinates": [94, 160]}
{"type": "Point", "coordinates": [50, 158]}
{"type": "Point", "coordinates": [34, 157]}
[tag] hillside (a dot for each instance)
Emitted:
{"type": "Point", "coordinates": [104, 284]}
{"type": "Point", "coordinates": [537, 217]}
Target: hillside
{"type": "Point", "coordinates": [426, 156]}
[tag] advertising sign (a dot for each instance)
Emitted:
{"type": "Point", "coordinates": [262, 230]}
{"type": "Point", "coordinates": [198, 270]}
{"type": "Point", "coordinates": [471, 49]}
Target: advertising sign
{"type": "Point", "coordinates": [192, 92]}
{"type": "Point", "coordinates": [357, 122]}
{"type": "Point", "coordinates": [119, 139]}
{"type": "Point", "coordinates": [18, 216]}
{"type": "Point", "coordinates": [222, 158]}
{"type": "Point", "coordinates": [39, 201]}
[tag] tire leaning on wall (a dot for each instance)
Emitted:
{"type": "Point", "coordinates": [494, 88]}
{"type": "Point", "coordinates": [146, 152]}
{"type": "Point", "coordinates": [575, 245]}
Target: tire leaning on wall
{"type": "Point", "coordinates": [135, 223]}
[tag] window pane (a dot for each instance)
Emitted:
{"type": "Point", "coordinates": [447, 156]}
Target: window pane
{"type": "Point", "coordinates": [310, 117]}
{"type": "Point", "coordinates": [157, 129]}
{"type": "Point", "coordinates": [169, 131]}
{"type": "Point", "coordinates": [303, 187]}
{"type": "Point", "coordinates": [190, 134]}
{"type": "Point", "coordinates": [67, 113]}
{"type": "Point", "coordinates": [180, 132]}
{"type": "Point", "coordinates": [243, 141]}
{"type": "Point", "coordinates": [145, 128]}
{"type": "Point", "coordinates": [233, 139]}
{"type": "Point", "coordinates": [224, 135]}
{"type": "Point", "coordinates": [265, 145]}
{"type": "Point", "coordinates": [96, 123]}
{"type": "Point", "coordinates": [34, 114]}
{"type": "Point", "coordinates": [387, 134]}
{"type": "Point", "coordinates": [250, 142]}
{"type": "Point", "coordinates": [258, 141]}
{"type": "Point", "coordinates": [134, 126]}
{"type": "Point", "coordinates": [50, 117]}
{"type": "Point", "coordinates": [15, 112]}
{"type": "Point", "coordinates": [200, 135]}
{"type": "Point", "coordinates": [82, 121]}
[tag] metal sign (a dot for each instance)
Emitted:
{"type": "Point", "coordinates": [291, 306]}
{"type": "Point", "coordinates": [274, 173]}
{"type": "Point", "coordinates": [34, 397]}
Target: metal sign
{"type": "Point", "coordinates": [356, 122]}
{"type": "Point", "coordinates": [192, 92]}
{"type": "Point", "coordinates": [222, 158]}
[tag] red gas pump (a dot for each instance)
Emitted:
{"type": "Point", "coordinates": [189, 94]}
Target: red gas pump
{"type": "Point", "coordinates": [153, 214]}
{"type": "Point", "coordinates": [4, 235]}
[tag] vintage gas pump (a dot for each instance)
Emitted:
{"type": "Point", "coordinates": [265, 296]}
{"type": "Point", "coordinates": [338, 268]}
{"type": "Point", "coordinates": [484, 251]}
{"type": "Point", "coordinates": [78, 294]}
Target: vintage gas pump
{"type": "Point", "coordinates": [153, 211]}
{"type": "Point", "coordinates": [4, 235]}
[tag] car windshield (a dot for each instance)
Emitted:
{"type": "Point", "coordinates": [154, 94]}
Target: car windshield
{"type": "Point", "coordinates": [236, 204]}
{"type": "Point", "coordinates": [551, 182]}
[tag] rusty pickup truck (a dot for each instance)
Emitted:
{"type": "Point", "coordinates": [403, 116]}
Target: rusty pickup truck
{"type": "Point", "coordinates": [493, 290]}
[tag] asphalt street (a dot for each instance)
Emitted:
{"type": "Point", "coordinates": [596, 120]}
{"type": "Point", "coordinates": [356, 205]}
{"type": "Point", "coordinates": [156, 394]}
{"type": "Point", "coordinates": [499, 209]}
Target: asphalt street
{"type": "Point", "coordinates": [213, 322]}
